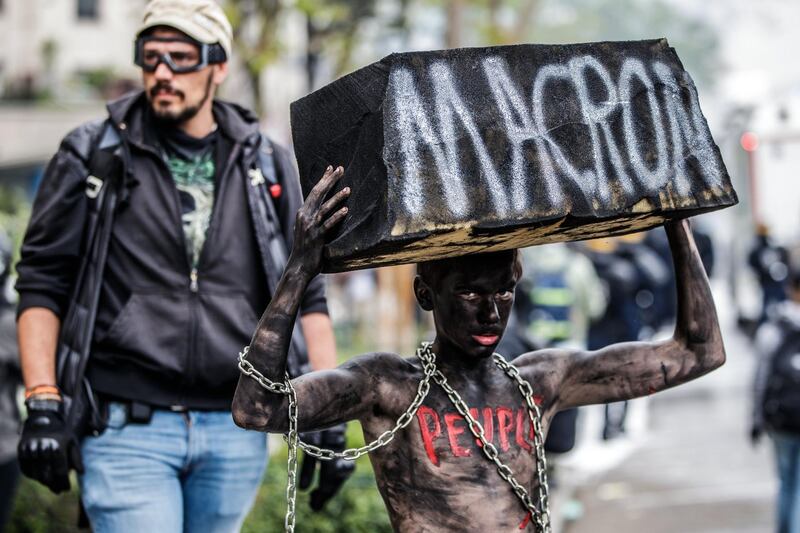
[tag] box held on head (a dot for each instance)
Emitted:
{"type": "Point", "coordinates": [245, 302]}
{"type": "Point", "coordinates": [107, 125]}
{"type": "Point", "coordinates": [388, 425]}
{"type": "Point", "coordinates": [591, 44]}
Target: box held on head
{"type": "Point", "coordinates": [479, 149]}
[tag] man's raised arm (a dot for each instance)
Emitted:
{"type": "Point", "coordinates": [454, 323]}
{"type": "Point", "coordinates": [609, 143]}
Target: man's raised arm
{"type": "Point", "coordinates": [628, 370]}
{"type": "Point", "coordinates": [253, 407]}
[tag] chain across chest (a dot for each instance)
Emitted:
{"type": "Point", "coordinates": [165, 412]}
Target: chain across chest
{"type": "Point", "coordinates": [540, 514]}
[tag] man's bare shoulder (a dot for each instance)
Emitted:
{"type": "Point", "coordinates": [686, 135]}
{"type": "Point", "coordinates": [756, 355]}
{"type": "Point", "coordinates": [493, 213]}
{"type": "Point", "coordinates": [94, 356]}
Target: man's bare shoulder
{"type": "Point", "coordinates": [545, 369]}
{"type": "Point", "coordinates": [384, 364]}
{"type": "Point", "coordinates": [390, 380]}
{"type": "Point", "coordinates": [544, 359]}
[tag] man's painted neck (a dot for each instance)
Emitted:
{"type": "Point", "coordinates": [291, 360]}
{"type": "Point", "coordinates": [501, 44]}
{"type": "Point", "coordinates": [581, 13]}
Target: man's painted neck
{"type": "Point", "coordinates": [451, 358]}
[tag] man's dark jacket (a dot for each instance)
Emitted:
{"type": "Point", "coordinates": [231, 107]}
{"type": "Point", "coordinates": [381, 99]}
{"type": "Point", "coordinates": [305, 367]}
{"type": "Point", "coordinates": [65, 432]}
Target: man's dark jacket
{"type": "Point", "coordinates": [159, 338]}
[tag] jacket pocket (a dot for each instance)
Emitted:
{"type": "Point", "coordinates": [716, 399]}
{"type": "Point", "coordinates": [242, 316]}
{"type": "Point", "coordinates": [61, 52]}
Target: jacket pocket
{"type": "Point", "coordinates": [151, 331]}
{"type": "Point", "coordinates": [225, 324]}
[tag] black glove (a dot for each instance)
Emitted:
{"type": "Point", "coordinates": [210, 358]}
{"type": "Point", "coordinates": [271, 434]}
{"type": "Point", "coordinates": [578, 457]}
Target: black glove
{"type": "Point", "coordinates": [332, 474]}
{"type": "Point", "coordinates": [47, 448]}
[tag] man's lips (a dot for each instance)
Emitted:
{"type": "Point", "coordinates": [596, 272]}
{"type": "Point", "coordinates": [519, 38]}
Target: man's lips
{"type": "Point", "coordinates": [165, 92]}
{"type": "Point", "coordinates": [486, 339]}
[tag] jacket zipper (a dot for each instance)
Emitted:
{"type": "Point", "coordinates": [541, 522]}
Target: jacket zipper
{"type": "Point", "coordinates": [194, 272]}
{"type": "Point", "coordinates": [192, 276]}
{"type": "Point", "coordinates": [212, 222]}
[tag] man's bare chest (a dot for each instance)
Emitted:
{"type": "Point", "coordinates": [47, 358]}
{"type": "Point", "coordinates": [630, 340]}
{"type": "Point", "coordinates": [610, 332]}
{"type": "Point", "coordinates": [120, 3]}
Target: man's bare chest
{"type": "Point", "coordinates": [438, 433]}
{"type": "Point", "coordinates": [446, 441]}
{"type": "Point", "coordinates": [445, 434]}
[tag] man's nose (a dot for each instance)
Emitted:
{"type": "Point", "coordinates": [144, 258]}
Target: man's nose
{"type": "Point", "coordinates": [488, 312]}
{"type": "Point", "coordinates": [163, 72]}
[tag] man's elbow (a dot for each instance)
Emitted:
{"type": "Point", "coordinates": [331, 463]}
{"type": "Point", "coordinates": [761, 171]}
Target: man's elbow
{"type": "Point", "coordinates": [702, 339]}
{"type": "Point", "coordinates": [247, 415]}
{"type": "Point", "coordinates": [246, 419]}
{"type": "Point", "coordinates": [709, 355]}
{"type": "Point", "coordinates": [717, 355]}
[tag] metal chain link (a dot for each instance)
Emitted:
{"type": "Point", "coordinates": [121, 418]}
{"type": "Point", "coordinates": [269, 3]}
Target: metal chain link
{"type": "Point", "coordinates": [541, 516]}
{"type": "Point", "coordinates": [291, 463]}
{"type": "Point", "coordinates": [292, 437]}
{"type": "Point", "coordinates": [535, 416]}
{"type": "Point", "coordinates": [351, 454]}
{"type": "Point", "coordinates": [246, 368]}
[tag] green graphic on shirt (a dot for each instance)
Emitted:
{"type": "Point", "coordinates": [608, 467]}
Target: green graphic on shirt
{"type": "Point", "coordinates": [194, 179]}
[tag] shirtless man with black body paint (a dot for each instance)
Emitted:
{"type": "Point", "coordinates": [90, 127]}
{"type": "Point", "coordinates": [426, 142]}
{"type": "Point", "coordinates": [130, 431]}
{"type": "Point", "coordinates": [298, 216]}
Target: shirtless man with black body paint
{"type": "Point", "coordinates": [433, 476]}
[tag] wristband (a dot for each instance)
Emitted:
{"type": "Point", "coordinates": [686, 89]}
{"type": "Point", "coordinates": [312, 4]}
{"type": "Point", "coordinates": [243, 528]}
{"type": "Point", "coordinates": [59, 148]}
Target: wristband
{"type": "Point", "coordinates": [43, 390]}
{"type": "Point", "coordinates": [43, 397]}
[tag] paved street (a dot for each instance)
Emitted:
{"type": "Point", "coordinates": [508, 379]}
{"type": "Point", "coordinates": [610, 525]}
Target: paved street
{"type": "Point", "coordinates": [691, 470]}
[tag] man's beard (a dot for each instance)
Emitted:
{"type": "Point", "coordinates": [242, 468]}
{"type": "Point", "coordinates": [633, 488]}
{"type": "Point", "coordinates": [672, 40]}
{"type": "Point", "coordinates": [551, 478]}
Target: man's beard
{"type": "Point", "coordinates": [170, 118]}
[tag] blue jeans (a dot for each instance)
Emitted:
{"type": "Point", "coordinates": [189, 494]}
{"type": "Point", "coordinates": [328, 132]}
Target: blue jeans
{"type": "Point", "coordinates": [194, 472]}
{"type": "Point", "coordinates": [787, 455]}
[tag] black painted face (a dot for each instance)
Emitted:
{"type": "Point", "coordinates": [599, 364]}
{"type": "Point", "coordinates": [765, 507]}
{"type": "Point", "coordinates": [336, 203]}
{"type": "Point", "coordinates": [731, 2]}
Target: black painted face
{"type": "Point", "coordinates": [471, 303]}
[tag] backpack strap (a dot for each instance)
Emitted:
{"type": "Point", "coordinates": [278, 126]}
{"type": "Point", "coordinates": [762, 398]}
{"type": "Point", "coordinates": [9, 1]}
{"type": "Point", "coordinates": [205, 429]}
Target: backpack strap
{"type": "Point", "coordinates": [263, 179]}
{"type": "Point", "coordinates": [103, 167]}
{"type": "Point", "coordinates": [106, 170]}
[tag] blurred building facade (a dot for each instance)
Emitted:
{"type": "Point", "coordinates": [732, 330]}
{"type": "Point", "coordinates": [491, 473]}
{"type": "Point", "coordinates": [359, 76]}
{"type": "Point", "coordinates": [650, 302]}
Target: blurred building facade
{"type": "Point", "coordinates": [47, 45]}
{"type": "Point", "coordinates": [60, 60]}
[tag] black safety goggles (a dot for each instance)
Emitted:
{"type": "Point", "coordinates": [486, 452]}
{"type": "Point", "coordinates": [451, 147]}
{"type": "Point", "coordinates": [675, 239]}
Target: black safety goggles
{"type": "Point", "coordinates": [178, 62]}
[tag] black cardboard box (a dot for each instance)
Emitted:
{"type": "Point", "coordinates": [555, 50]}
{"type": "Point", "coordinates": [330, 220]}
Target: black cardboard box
{"type": "Point", "coordinates": [477, 149]}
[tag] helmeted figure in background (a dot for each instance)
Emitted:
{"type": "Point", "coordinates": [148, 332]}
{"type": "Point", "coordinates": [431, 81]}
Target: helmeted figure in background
{"type": "Point", "coordinates": [190, 255]}
{"type": "Point", "coordinates": [776, 405]}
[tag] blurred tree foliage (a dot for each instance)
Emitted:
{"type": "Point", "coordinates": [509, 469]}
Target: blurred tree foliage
{"type": "Point", "coordinates": [255, 30]}
{"type": "Point", "coordinates": [492, 22]}
{"type": "Point", "coordinates": [37, 510]}
{"type": "Point", "coordinates": [356, 508]}
{"type": "Point", "coordinates": [15, 211]}
{"type": "Point", "coordinates": [332, 27]}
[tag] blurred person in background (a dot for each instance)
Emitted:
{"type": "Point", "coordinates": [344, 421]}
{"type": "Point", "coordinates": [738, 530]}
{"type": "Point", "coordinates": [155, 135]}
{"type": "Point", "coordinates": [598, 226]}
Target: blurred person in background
{"type": "Point", "coordinates": [564, 295]}
{"type": "Point", "coordinates": [186, 276]}
{"type": "Point", "coordinates": [654, 295]}
{"type": "Point", "coordinates": [634, 275]}
{"type": "Point", "coordinates": [776, 405]}
{"type": "Point", "coordinates": [10, 382]}
{"type": "Point", "coordinates": [770, 264]}
{"type": "Point", "coordinates": [557, 296]}
{"type": "Point", "coordinates": [665, 299]}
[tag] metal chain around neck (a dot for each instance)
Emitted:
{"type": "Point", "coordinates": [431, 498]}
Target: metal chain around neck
{"type": "Point", "coordinates": [541, 516]}
{"type": "Point", "coordinates": [427, 357]}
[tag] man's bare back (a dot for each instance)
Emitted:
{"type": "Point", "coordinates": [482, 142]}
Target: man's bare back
{"type": "Point", "coordinates": [433, 475]}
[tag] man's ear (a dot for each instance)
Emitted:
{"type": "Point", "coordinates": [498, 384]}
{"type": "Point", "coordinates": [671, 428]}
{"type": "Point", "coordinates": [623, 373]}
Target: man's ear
{"type": "Point", "coordinates": [423, 293]}
{"type": "Point", "coordinates": [220, 72]}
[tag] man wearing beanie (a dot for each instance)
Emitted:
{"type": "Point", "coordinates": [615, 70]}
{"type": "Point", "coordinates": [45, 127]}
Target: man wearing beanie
{"type": "Point", "coordinates": [201, 199]}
